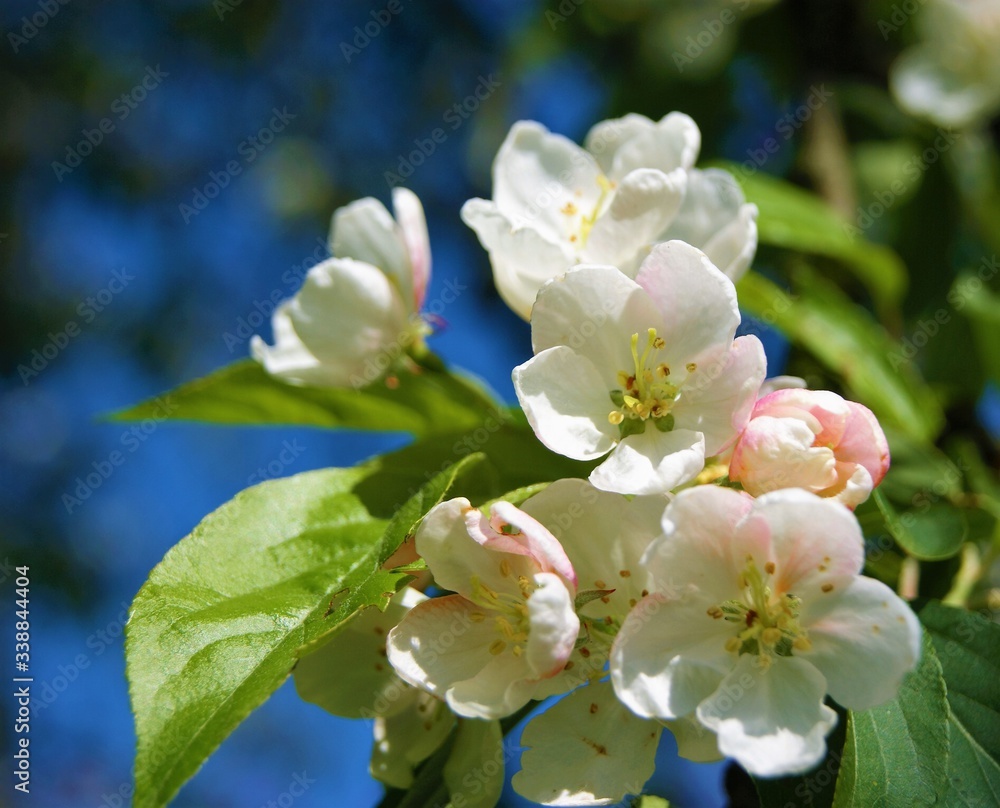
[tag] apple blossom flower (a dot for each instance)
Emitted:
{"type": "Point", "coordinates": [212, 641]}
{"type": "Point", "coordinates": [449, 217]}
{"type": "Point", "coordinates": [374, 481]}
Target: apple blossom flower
{"type": "Point", "coordinates": [360, 307]}
{"type": "Point", "coordinates": [757, 611]}
{"type": "Point", "coordinates": [952, 77]}
{"type": "Point", "coordinates": [556, 205]}
{"type": "Point", "coordinates": [510, 625]}
{"type": "Point", "coordinates": [811, 439]}
{"type": "Point", "coordinates": [647, 370]}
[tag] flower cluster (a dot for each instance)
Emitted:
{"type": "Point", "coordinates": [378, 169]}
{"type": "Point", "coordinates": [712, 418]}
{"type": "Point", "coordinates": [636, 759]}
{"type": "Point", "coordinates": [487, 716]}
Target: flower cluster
{"type": "Point", "coordinates": [706, 578]}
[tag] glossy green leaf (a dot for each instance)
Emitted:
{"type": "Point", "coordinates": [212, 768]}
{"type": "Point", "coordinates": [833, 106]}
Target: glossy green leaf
{"type": "Point", "coordinates": [424, 402]}
{"type": "Point", "coordinates": [795, 219]}
{"type": "Point", "coordinates": [897, 753]}
{"type": "Point", "coordinates": [968, 647]}
{"type": "Point", "coordinates": [930, 533]}
{"type": "Point", "coordinates": [221, 620]}
{"type": "Point", "coordinates": [845, 339]}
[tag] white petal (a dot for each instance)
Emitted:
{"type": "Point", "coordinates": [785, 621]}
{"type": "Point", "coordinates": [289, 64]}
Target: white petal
{"type": "Point", "coordinates": [452, 555]}
{"type": "Point", "coordinates": [864, 641]}
{"type": "Point", "coordinates": [697, 302]}
{"type": "Point", "coordinates": [553, 626]}
{"type": "Point", "coordinates": [536, 173]}
{"type": "Point", "coordinates": [810, 563]}
{"type": "Point", "coordinates": [594, 310]}
{"type": "Point", "coordinates": [336, 326]}
{"type": "Point", "coordinates": [566, 402]}
{"type": "Point", "coordinates": [474, 772]}
{"type": "Point", "coordinates": [718, 396]}
{"type": "Point", "coordinates": [651, 463]}
{"type": "Point", "coordinates": [716, 219]}
{"type": "Point", "coordinates": [634, 141]}
{"type": "Point", "coordinates": [440, 648]}
{"type": "Point", "coordinates": [366, 231]}
{"type": "Point", "coordinates": [669, 655]}
{"type": "Point", "coordinates": [773, 722]}
{"type": "Point", "coordinates": [404, 740]}
{"type": "Point", "coordinates": [775, 453]}
{"type": "Point", "coordinates": [523, 259]}
{"type": "Point", "coordinates": [926, 87]}
{"type": "Point", "coordinates": [694, 741]}
{"type": "Point", "coordinates": [413, 227]}
{"type": "Point", "coordinates": [368, 686]}
{"type": "Point", "coordinates": [586, 750]}
{"type": "Point", "coordinates": [643, 205]}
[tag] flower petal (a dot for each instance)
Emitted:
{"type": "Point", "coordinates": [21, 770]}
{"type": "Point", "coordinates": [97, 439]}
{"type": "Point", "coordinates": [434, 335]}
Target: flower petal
{"type": "Point", "coordinates": [624, 144]}
{"type": "Point", "coordinates": [810, 563]}
{"type": "Point", "coordinates": [774, 453]}
{"type": "Point", "coordinates": [718, 396]}
{"type": "Point", "coordinates": [586, 750]}
{"type": "Point", "coordinates": [697, 302]}
{"type": "Point", "coordinates": [772, 721]}
{"type": "Point", "coordinates": [669, 656]}
{"type": "Point", "coordinates": [864, 442]}
{"type": "Point", "coordinates": [553, 626]}
{"type": "Point", "coordinates": [566, 402]}
{"type": "Point", "coordinates": [405, 740]}
{"type": "Point", "coordinates": [716, 219]}
{"type": "Point", "coordinates": [475, 769]}
{"type": "Point", "coordinates": [413, 228]}
{"type": "Point", "coordinates": [523, 259]}
{"type": "Point", "coordinates": [643, 205]}
{"type": "Point", "coordinates": [694, 741]}
{"type": "Point", "coordinates": [344, 315]}
{"type": "Point", "coordinates": [653, 462]}
{"type": "Point", "coordinates": [864, 641]}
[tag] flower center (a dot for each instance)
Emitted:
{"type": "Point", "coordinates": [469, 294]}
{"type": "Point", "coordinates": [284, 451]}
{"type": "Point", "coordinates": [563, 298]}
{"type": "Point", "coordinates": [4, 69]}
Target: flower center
{"type": "Point", "coordinates": [509, 613]}
{"type": "Point", "coordinates": [767, 626]}
{"type": "Point", "coordinates": [646, 392]}
{"type": "Point", "coordinates": [578, 236]}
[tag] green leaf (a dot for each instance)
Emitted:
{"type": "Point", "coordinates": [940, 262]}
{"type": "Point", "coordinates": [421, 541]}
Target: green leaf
{"type": "Point", "coordinates": [897, 753]}
{"type": "Point", "coordinates": [968, 647]}
{"type": "Point", "coordinates": [982, 307]}
{"type": "Point", "coordinates": [424, 402]}
{"type": "Point", "coordinates": [930, 534]}
{"type": "Point", "coordinates": [221, 620]}
{"type": "Point", "coordinates": [795, 219]}
{"type": "Point", "coordinates": [844, 338]}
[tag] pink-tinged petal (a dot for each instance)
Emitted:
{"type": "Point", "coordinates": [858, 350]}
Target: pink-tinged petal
{"type": "Point", "coordinates": [717, 397]}
{"type": "Point", "coordinates": [566, 402]}
{"type": "Point", "coordinates": [413, 225]}
{"type": "Point", "coordinates": [624, 144]}
{"type": "Point", "coordinates": [594, 310]}
{"type": "Point", "coordinates": [853, 485]}
{"type": "Point", "coordinates": [864, 442]}
{"type": "Point", "coordinates": [586, 750]}
{"type": "Point", "coordinates": [696, 301]}
{"type": "Point", "coordinates": [531, 539]}
{"type": "Point", "coordinates": [454, 557]}
{"type": "Point", "coordinates": [523, 259]}
{"type": "Point", "coordinates": [438, 645]}
{"type": "Point", "coordinates": [537, 173]}
{"type": "Point", "coordinates": [865, 639]}
{"type": "Point", "coordinates": [702, 546]}
{"type": "Point", "coordinates": [669, 655]}
{"type": "Point", "coordinates": [642, 206]}
{"type": "Point", "coordinates": [653, 462]}
{"type": "Point", "coordinates": [772, 721]}
{"type": "Point", "coordinates": [826, 413]}
{"type": "Point", "coordinates": [816, 544]}
{"type": "Point", "coordinates": [553, 626]}
{"type": "Point", "coordinates": [775, 453]}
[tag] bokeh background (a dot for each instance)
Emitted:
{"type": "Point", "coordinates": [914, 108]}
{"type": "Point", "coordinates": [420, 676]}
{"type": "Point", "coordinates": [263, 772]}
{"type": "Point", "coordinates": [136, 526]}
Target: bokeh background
{"type": "Point", "coordinates": [121, 281]}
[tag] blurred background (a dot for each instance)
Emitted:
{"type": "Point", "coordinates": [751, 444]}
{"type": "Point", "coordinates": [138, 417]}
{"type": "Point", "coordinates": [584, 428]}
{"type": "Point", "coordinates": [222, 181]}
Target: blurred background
{"type": "Point", "coordinates": [168, 173]}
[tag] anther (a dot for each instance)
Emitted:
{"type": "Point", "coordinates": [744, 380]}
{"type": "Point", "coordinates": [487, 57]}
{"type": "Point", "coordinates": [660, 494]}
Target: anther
{"type": "Point", "coordinates": [497, 647]}
{"type": "Point", "coordinates": [615, 417]}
